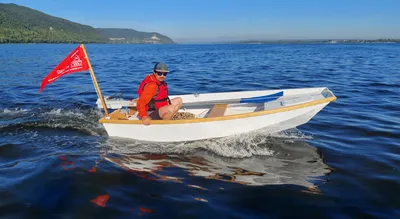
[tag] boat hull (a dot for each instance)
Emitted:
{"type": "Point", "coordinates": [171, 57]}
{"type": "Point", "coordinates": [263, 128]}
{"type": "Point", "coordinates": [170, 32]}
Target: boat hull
{"type": "Point", "coordinates": [176, 132]}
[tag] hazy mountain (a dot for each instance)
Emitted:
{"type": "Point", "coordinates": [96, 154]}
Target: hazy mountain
{"type": "Point", "coordinates": [118, 35]}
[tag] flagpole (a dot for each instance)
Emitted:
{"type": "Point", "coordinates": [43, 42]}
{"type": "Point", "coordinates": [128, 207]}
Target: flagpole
{"type": "Point", "coordinates": [96, 85]}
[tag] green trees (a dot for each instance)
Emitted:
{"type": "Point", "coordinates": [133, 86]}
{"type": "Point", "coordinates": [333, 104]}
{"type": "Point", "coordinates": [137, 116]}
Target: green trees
{"type": "Point", "coordinates": [20, 24]}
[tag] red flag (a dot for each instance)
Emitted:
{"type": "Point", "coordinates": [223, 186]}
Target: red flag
{"type": "Point", "coordinates": [74, 62]}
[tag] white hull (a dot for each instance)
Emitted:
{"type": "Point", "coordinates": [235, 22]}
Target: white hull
{"type": "Point", "coordinates": [281, 114]}
{"type": "Point", "coordinates": [270, 123]}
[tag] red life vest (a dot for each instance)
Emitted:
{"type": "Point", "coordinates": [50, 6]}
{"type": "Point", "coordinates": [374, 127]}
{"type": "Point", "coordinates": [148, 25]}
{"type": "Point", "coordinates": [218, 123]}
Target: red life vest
{"type": "Point", "coordinates": [160, 99]}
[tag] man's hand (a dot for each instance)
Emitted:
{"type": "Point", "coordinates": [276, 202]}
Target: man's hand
{"type": "Point", "coordinates": [146, 120]}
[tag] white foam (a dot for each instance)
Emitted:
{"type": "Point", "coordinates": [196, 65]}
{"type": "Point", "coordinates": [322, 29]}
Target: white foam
{"type": "Point", "coordinates": [14, 111]}
{"type": "Point", "coordinates": [292, 134]}
{"type": "Point", "coordinates": [238, 146]}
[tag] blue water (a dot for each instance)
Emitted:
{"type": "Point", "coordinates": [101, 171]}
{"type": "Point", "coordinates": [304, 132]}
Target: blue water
{"type": "Point", "coordinates": [55, 157]}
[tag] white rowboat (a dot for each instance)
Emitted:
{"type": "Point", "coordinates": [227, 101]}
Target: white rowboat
{"type": "Point", "coordinates": [220, 114]}
{"type": "Point", "coordinates": [215, 115]}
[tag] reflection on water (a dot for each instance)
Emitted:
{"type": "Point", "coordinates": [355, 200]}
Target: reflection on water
{"type": "Point", "coordinates": [288, 162]}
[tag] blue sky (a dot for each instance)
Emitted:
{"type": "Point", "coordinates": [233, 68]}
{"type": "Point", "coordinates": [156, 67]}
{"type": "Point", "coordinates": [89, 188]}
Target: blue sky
{"type": "Point", "coordinates": [218, 20]}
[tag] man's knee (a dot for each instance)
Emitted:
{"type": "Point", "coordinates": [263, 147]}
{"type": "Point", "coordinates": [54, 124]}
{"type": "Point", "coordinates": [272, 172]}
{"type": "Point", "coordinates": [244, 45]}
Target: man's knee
{"type": "Point", "coordinates": [177, 101]}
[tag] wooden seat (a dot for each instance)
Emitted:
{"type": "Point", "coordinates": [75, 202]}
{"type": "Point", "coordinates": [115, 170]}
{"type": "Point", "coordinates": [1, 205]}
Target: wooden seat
{"type": "Point", "coordinates": [217, 110]}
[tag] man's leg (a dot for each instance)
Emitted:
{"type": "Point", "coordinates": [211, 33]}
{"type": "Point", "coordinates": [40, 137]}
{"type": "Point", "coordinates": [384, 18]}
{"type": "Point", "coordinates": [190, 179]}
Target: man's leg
{"type": "Point", "coordinates": [167, 112]}
{"type": "Point", "coordinates": [177, 103]}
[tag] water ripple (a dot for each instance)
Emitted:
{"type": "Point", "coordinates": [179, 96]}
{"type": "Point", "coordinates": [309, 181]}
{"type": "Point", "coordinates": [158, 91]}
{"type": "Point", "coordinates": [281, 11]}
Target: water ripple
{"type": "Point", "coordinates": [56, 160]}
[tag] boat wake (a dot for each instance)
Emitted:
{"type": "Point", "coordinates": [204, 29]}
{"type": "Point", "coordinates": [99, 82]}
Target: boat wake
{"type": "Point", "coordinates": [72, 122]}
{"type": "Point", "coordinates": [239, 146]}
{"type": "Point", "coordinates": [80, 120]}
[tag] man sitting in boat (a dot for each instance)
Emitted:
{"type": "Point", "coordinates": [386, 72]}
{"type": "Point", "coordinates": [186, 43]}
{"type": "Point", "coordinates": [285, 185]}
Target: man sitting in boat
{"type": "Point", "coordinates": [154, 102]}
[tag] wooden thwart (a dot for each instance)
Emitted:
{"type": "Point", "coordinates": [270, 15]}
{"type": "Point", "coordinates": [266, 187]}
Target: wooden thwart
{"type": "Point", "coordinates": [217, 110]}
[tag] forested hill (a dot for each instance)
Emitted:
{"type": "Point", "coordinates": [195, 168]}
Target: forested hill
{"type": "Point", "coordinates": [19, 24]}
{"type": "Point", "coordinates": [22, 24]}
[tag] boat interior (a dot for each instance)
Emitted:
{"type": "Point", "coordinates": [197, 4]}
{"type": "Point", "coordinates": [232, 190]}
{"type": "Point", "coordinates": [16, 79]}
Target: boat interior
{"type": "Point", "coordinates": [210, 110]}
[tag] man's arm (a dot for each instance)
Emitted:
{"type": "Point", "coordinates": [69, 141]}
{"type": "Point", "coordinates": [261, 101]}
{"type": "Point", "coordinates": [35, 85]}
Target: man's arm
{"type": "Point", "coordinates": [149, 91]}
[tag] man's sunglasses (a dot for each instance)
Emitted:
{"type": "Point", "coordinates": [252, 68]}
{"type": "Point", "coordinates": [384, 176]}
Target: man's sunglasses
{"type": "Point", "coordinates": [161, 73]}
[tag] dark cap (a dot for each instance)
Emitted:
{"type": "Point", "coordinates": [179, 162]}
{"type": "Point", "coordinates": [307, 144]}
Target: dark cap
{"type": "Point", "coordinates": [161, 67]}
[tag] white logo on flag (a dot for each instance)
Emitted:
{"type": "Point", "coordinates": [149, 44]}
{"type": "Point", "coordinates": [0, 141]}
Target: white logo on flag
{"type": "Point", "coordinates": [75, 65]}
{"type": "Point", "coordinates": [77, 62]}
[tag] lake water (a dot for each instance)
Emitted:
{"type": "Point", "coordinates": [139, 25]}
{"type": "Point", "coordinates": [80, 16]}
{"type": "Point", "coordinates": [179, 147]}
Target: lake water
{"type": "Point", "coordinates": [56, 160]}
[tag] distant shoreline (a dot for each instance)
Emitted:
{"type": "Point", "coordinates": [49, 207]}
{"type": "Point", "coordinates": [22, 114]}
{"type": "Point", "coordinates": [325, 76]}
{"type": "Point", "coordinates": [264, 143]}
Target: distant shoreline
{"type": "Point", "coordinates": [231, 42]}
{"type": "Point", "coordinates": [331, 41]}
{"type": "Point", "coordinates": [342, 41]}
